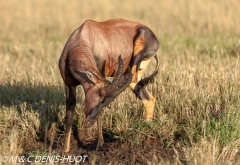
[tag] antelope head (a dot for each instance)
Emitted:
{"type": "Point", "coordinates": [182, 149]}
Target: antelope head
{"type": "Point", "coordinates": [96, 98]}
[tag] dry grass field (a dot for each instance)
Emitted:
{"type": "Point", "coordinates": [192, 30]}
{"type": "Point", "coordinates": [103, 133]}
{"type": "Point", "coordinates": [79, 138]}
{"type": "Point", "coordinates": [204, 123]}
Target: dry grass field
{"type": "Point", "coordinates": [197, 116]}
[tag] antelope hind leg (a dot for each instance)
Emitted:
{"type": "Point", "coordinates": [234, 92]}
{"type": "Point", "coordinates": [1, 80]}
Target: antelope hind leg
{"type": "Point", "coordinates": [147, 99]}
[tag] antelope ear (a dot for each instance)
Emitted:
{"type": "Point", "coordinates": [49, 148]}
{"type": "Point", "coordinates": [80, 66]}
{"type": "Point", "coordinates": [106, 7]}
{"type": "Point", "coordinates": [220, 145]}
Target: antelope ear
{"type": "Point", "coordinates": [89, 77]}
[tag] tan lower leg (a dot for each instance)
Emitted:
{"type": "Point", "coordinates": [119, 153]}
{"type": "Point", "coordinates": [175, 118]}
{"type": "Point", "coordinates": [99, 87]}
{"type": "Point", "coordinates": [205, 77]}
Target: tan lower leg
{"type": "Point", "coordinates": [67, 141]}
{"type": "Point", "coordinates": [149, 106]}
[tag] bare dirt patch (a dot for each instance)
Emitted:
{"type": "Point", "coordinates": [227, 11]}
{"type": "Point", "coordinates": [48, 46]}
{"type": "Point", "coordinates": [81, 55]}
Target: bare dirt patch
{"type": "Point", "coordinates": [114, 151]}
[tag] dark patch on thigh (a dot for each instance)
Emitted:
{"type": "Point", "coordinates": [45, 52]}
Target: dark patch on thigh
{"type": "Point", "coordinates": [145, 46]}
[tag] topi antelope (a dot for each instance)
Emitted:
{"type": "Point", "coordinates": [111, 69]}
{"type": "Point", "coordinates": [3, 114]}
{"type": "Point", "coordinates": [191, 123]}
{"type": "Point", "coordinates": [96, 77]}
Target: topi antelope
{"type": "Point", "coordinates": [96, 50]}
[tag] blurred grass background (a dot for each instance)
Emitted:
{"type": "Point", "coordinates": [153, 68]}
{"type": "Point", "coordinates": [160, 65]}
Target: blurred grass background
{"type": "Point", "coordinates": [197, 89]}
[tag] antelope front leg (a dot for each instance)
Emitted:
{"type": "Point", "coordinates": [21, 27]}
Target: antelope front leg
{"type": "Point", "coordinates": [70, 108]}
{"type": "Point", "coordinates": [100, 141]}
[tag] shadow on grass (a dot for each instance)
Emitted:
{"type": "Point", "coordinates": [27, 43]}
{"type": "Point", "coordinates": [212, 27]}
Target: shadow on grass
{"type": "Point", "coordinates": [48, 101]}
{"type": "Point", "coordinates": [14, 95]}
